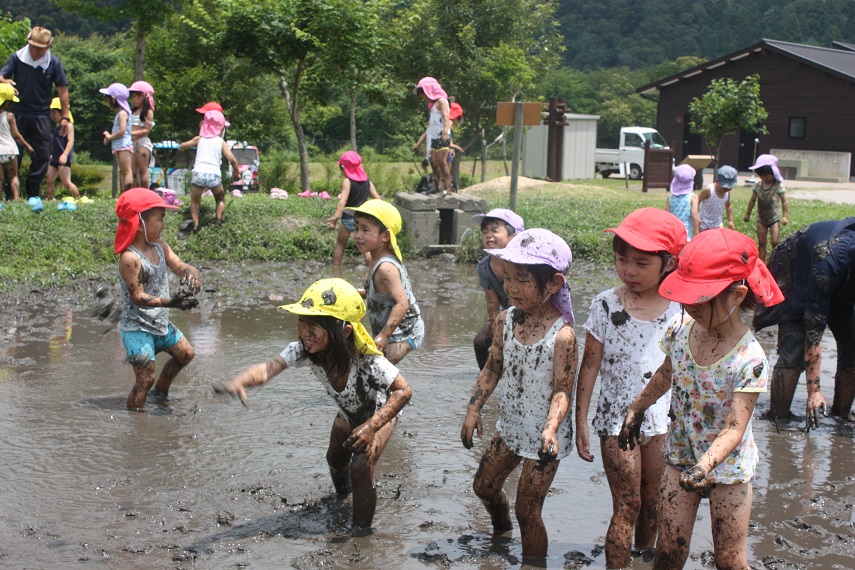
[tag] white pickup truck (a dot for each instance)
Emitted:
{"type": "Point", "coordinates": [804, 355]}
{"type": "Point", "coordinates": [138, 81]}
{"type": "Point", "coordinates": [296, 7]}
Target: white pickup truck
{"type": "Point", "coordinates": [630, 155]}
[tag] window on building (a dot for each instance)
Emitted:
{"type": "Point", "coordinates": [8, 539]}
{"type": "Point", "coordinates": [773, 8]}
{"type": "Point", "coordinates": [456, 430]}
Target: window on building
{"type": "Point", "coordinates": [798, 126]}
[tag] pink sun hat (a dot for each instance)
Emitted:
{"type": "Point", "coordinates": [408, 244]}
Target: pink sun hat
{"type": "Point", "coordinates": [146, 89]}
{"type": "Point", "coordinates": [351, 163]}
{"type": "Point", "coordinates": [212, 125]}
{"type": "Point", "coordinates": [431, 88]}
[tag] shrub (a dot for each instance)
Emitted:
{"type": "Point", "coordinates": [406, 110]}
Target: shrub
{"type": "Point", "coordinates": [88, 178]}
{"type": "Point", "coordinates": [278, 171]}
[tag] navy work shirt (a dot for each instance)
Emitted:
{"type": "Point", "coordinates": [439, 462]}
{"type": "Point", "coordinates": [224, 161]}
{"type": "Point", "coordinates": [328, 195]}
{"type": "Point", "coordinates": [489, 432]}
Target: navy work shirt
{"type": "Point", "coordinates": [34, 85]}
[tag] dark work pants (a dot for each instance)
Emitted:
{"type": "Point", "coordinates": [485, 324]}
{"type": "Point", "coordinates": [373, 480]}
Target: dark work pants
{"type": "Point", "coordinates": [38, 133]}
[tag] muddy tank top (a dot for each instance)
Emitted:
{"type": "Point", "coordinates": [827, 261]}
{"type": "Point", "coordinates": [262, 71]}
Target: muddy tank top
{"type": "Point", "coordinates": [379, 306]}
{"type": "Point", "coordinates": [154, 281]}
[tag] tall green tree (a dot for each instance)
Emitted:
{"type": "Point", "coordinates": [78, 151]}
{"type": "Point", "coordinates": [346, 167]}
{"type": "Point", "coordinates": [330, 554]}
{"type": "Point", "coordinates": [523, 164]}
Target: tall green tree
{"type": "Point", "coordinates": [13, 34]}
{"type": "Point", "coordinates": [146, 15]}
{"type": "Point", "coordinates": [727, 107]}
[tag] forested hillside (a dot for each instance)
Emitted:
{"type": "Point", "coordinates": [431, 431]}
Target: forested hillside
{"type": "Point", "coordinates": [641, 33]}
{"type": "Point", "coordinates": [45, 13]}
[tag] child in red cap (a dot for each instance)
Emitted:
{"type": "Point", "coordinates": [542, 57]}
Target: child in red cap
{"type": "Point", "coordinates": [622, 348]}
{"type": "Point", "coordinates": [356, 189]}
{"type": "Point", "coordinates": [715, 369]}
{"type": "Point", "coordinates": [144, 326]}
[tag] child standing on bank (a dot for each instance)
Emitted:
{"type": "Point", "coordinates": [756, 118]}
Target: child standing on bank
{"type": "Point", "coordinates": [622, 347]}
{"type": "Point", "coordinates": [767, 193]}
{"type": "Point", "coordinates": [207, 170]}
{"type": "Point", "coordinates": [61, 153]}
{"type": "Point", "coordinates": [142, 121]}
{"type": "Point", "coordinates": [120, 138]}
{"type": "Point", "coordinates": [679, 201]}
{"type": "Point", "coordinates": [533, 356]}
{"type": "Point", "coordinates": [396, 321]}
{"type": "Point", "coordinates": [8, 136]}
{"type": "Point", "coordinates": [712, 201]}
{"type": "Point", "coordinates": [144, 326]}
{"type": "Point", "coordinates": [438, 133]}
{"type": "Point", "coordinates": [369, 390]}
{"type": "Point", "coordinates": [356, 189]}
{"type": "Point", "coordinates": [715, 369]}
{"type": "Point", "coordinates": [498, 227]}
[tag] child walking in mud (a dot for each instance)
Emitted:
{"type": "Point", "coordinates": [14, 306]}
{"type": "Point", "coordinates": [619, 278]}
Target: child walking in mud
{"type": "Point", "coordinates": [766, 194]}
{"type": "Point", "coordinates": [396, 321]}
{"type": "Point", "coordinates": [533, 362]}
{"type": "Point", "coordinates": [622, 347]}
{"type": "Point", "coordinates": [368, 389]}
{"type": "Point", "coordinates": [715, 369]}
{"type": "Point", "coordinates": [356, 189]}
{"type": "Point", "coordinates": [144, 326]}
{"type": "Point", "coordinates": [498, 226]}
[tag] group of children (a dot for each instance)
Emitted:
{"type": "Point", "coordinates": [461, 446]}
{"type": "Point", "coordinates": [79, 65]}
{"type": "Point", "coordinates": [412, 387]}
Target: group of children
{"type": "Point", "coordinates": [679, 371]}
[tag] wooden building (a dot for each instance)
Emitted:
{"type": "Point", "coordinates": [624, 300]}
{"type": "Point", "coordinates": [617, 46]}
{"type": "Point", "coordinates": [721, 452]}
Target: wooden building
{"type": "Point", "coordinates": [808, 91]}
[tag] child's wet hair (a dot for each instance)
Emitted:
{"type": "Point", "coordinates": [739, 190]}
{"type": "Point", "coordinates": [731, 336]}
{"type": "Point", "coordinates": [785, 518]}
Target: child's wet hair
{"type": "Point", "coordinates": [508, 227]}
{"type": "Point", "coordinates": [372, 219]}
{"type": "Point", "coordinates": [341, 352]}
{"type": "Point", "coordinates": [542, 274]}
{"type": "Point", "coordinates": [620, 247]}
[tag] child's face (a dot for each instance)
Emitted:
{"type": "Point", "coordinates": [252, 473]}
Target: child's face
{"type": "Point", "coordinates": [718, 311]}
{"type": "Point", "coordinates": [521, 287]}
{"type": "Point", "coordinates": [494, 234]}
{"type": "Point", "coordinates": [314, 337]}
{"type": "Point", "coordinates": [367, 235]}
{"type": "Point", "coordinates": [154, 223]}
{"type": "Point", "coordinates": [111, 102]}
{"type": "Point", "coordinates": [55, 116]}
{"type": "Point", "coordinates": [766, 175]}
{"type": "Point", "coordinates": [137, 98]}
{"type": "Point", "coordinates": [639, 270]}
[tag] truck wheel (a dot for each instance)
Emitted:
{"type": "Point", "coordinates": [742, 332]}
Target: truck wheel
{"type": "Point", "coordinates": [634, 172]}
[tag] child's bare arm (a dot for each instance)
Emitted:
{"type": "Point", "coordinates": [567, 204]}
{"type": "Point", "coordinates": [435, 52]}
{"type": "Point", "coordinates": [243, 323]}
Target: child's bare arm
{"type": "Point", "coordinates": [728, 208]}
{"type": "Point", "coordinates": [120, 132]}
{"type": "Point", "coordinates": [16, 134]}
{"type": "Point", "coordinates": [419, 143]}
{"type": "Point", "coordinates": [784, 209]}
{"type": "Point", "coordinates": [252, 376]}
{"type": "Point", "coordinates": [750, 207]}
{"type": "Point", "coordinates": [493, 304]}
{"type": "Point", "coordinates": [362, 436]}
{"type": "Point", "coordinates": [187, 145]}
{"type": "Point", "coordinates": [564, 375]}
{"type": "Point", "coordinates": [592, 359]}
{"type": "Point", "coordinates": [69, 133]}
{"type": "Point", "coordinates": [387, 279]}
{"type": "Point", "coordinates": [178, 267]}
{"type": "Point", "coordinates": [372, 191]}
{"type": "Point", "coordinates": [227, 152]}
{"type": "Point", "coordinates": [487, 381]}
{"type": "Point", "coordinates": [696, 210]}
{"type": "Point", "coordinates": [658, 385]}
{"type": "Point", "coordinates": [442, 105]}
{"type": "Point", "coordinates": [741, 410]}
{"type": "Point", "coordinates": [342, 201]}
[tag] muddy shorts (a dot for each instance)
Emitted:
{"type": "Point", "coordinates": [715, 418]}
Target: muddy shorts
{"type": "Point", "coordinates": [206, 180]}
{"type": "Point", "coordinates": [348, 222]}
{"type": "Point", "coordinates": [438, 144]}
{"type": "Point", "coordinates": [143, 346]}
{"type": "Point", "coordinates": [415, 338]}
{"type": "Point", "coordinates": [5, 158]}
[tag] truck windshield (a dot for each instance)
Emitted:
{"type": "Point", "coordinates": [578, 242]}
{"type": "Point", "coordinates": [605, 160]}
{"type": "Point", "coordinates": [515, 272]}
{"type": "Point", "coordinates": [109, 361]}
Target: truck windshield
{"type": "Point", "coordinates": [247, 156]}
{"type": "Point", "coordinates": [656, 140]}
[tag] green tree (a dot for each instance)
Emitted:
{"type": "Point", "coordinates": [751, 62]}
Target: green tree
{"type": "Point", "coordinates": [727, 107]}
{"type": "Point", "coordinates": [13, 34]}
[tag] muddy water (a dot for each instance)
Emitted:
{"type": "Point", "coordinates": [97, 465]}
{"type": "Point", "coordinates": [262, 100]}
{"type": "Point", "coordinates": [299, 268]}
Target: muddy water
{"type": "Point", "coordinates": [205, 482]}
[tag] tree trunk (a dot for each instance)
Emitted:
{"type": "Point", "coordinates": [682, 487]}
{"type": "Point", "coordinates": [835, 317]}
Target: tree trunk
{"type": "Point", "coordinates": [483, 155]}
{"type": "Point", "coordinates": [293, 103]}
{"type": "Point", "coordinates": [352, 119]}
{"type": "Point", "coordinates": [139, 56]}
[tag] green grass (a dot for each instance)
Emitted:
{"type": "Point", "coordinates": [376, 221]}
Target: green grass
{"type": "Point", "coordinates": [57, 247]}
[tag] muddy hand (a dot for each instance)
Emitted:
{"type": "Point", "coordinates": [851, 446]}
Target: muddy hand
{"type": "Point", "coordinates": [816, 405]}
{"type": "Point", "coordinates": [630, 432]}
{"type": "Point", "coordinates": [226, 389]}
{"type": "Point", "coordinates": [360, 439]}
{"type": "Point", "coordinates": [471, 424]}
{"type": "Point", "coordinates": [548, 448]}
{"type": "Point", "coordinates": [694, 480]}
{"type": "Point", "coordinates": [191, 283]}
{"type": "Point", "coordinates": [103, 304]}
{"type": "Point", "coordinates": [183, 299]}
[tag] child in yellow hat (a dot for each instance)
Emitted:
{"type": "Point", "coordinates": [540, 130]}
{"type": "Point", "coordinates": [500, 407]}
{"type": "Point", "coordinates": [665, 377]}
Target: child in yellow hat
{"type": "Point", "coordinates": [368, 389]}
{"type": "Point", "coordinates": [61, 152]}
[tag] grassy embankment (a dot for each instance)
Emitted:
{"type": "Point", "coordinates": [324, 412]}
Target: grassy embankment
{"type": "Point", "coordinates": [55, 248]}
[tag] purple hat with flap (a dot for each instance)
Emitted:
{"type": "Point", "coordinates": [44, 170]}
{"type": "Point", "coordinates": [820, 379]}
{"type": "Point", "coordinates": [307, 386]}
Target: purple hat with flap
{"type": "Point", "coordinates": [771, 161]}
{"type": "Point", "coordinates": [508, 216]}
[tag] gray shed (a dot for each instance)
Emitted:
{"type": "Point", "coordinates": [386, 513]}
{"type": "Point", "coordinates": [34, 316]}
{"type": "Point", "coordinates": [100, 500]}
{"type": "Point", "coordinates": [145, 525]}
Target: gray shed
{"type": "Point", "coordinates": [580, 141]}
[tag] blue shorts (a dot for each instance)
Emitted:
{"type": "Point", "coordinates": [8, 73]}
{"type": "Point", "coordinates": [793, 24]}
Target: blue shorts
{"type": "Point", "coordinates": [143, 346]}
{"type": "Point", "coordinates": [348, 222]}
{"type": "Point", "coordinates": [206, 180]}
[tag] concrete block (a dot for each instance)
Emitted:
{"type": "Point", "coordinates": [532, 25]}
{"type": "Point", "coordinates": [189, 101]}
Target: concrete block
{"type": "Point", "coordinates": [422, 227]}
{"type": "Point", "coordinates": [462, 222]}
{"type": "Point", "coordinates": [415, 202]}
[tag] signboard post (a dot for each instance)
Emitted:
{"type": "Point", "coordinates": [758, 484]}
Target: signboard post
{"type": "Point", "coordinates": [517, 115]}
{"type": "Point", "coordinates": [658, 167]}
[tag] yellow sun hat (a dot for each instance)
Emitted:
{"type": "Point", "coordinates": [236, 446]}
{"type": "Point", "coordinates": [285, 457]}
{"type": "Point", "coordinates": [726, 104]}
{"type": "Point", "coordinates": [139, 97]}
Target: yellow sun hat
{"type": "Point", "coordinates": [336, 298]}
{"type": "Point", "coordinates": [388, 215]}
{"type": "Point", "coordinates": [7, 93]}
{"type": "Point", "coordinates": [56, 104]}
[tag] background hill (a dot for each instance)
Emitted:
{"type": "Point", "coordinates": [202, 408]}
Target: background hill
{"type": "Point", "coordinates": [46, 13]}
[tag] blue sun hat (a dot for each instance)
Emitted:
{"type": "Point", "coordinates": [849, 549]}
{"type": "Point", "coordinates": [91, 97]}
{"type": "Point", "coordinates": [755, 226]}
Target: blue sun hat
{"type": "Point", "coordinates": [35, 204]}
{"type": "Point", "coordinates": [727, 176]}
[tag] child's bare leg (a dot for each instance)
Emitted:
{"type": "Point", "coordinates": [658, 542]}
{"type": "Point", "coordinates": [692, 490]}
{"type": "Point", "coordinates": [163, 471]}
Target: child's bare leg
{"type": "Point", "coordinates": [338, 458]}
{"type": "Point", "coordinates": [652, 467]}
{"type": "Point", "coordinates": [730, 512]}
{"type": "Point", "coordinates": [761, 241]}
{"type": "Point", "coordinates": [3, 177]}
{"type": "Point", "coordinates": [340, 243]}
{"type": "Point", "coordinates": [436, 169]}
{"type": "Point", "coordinates": [623, 471]}
{"type": "Point", "coordinates": [65, 179]}
{"type": "Point", "coordinates": [142, 157]}
{"type": "Point", "coordinates": [677, 511]}
{"type": "Point", "coordinates": [496, 464]}
{"type": "Point", "coordinates": [124, 158]}
{"type": "Point", "coordinates": [362, 477]}
{"type": "Point", "coordinates": [774, 235]}
{"type": "Point", "coordinates": [444, 168]}
{"type": "Point", "coordinates": [220, 199]}
{"type": "Point", "coordinates": [396, 351]}
{"type": "Point", "coordinates": [14, 182]}
{"type": "Point", "coordinates": [50, 182]}
{"type": "Point", "coordinates": [195, 204]}
{"type": "Point", "coordinates": [144, 373]}
{"type": "Point", "coordinates": [182, 353]}
{"type": "Point", "coordinates": [533, 486]}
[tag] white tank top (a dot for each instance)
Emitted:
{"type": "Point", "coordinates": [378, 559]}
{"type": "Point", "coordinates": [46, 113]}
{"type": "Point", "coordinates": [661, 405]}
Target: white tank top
{"type": "Point", "coordinates": [209, 155]}
{"type": "Point", "coordinates": [7, 143]}
{"type": "Point", "coordinates": [711, 209]}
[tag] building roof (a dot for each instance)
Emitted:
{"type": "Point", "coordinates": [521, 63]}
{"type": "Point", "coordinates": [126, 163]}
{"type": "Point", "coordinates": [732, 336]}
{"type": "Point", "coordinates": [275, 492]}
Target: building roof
{"type": "Point", "coordinates": [838, 62]}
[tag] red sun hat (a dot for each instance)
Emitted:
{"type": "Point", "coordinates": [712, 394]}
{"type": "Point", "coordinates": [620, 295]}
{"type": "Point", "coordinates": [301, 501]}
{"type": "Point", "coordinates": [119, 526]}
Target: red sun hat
{"type": "Point", "coordinates": [130, 205]}
{"type": "Point", "coordinates": [210, 106]}
{"type": "Point", "coordinates": [652, 230]}
{"type": "Point", "coordinates": [711, 262]}
{"type": "Point", "coordinates": [455, 111]}
{"type": "Point", "coordinates": [351, 163]}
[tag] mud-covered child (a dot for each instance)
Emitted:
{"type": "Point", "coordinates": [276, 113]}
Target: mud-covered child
{"type": "Point", "coordinates": [368, 389]}
{"type": "Point", "coordinates": [533, 363]}
{"type": "Point", "coordinates": [770, 196]}
{"type": "Point", "coordinates": [396, 321]}
{"type": "Point", "coordinates": [622, 348]}
{"type": "Point", "coordinates": [144, 326]}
